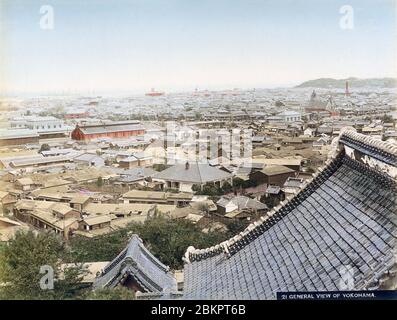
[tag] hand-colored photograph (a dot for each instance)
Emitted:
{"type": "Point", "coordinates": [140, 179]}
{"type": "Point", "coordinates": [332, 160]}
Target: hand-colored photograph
{"type": "Point", "coordinates": [167, 151]}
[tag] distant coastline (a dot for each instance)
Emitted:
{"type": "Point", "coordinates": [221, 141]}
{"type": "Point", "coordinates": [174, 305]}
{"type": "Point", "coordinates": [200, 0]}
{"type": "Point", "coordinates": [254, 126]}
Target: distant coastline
{"type": "Point", "coordinates": [353, 82]}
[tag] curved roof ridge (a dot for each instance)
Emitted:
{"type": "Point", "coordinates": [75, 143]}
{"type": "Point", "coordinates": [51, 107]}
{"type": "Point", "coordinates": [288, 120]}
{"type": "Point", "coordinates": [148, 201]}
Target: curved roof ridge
{"type": "Point", "coordinates": [381, 150]}
{"type": "Point", "coordinates": [227, 245]}
{"type": "Point", "coordinates": [137, 261]}
{"type": "Point", "coordinates": [370, 141]}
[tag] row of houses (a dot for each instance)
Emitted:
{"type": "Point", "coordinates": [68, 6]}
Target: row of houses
{"type": "Point", "coordinates": [30, 130]}
{"type": "Point", "coordinates": [92, 220]}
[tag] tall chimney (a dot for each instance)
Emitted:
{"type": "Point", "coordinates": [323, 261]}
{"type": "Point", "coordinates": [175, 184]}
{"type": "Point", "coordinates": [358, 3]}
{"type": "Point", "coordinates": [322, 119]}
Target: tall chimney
{"type": "Point", "coordinates": [347, 93]}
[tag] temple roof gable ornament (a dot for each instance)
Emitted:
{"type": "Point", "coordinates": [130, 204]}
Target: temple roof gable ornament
{"type": "Point", "coordinates": [136, 262]}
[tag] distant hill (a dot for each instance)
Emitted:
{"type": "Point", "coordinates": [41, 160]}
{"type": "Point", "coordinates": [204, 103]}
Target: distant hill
{"type": "Point", "coordinates": [353, 83]}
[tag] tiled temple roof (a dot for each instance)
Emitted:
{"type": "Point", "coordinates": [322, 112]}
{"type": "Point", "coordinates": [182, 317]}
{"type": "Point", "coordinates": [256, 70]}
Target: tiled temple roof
{"type": "Point", "coordinates": [382, 151]}
{"type": "Point", "coordinates": [136, 261]}
{"type": "Point", "coordinates": [345, 217]}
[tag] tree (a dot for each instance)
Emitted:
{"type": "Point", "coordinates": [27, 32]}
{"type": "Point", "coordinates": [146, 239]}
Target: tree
{"type": "Point", "coordinates": [227, 187]}
{"type": "Point", "coordinates": [99, 182]}
{"type": "Point", "coordinates": [238, 182]}
{"type": "Point", "coordinates": [310, 169]}
{"type": "Point", "coordinates": [118, 293]}
{"type": "Point", "coordinates": [208, 189]}
{"type": "Point", "coordinates": [212, 190]}
{"type": "Point", "coordinates": [279, 104]}
{"type": "Point", "coordinates": [44, 147]}
{"type": "Point", "coordinates": [236, 226]}
{"type": "Point", "coordinates": [270, 201]}
{"type": "Point", "coordinates": [22, 263]}
{"type": "Point", "coordinates": [159, 167]}
{"type": "Point", "coordinates": [166, 239]}
{"type": "Point", "coordinates": [204, 207]}
{"type": "Point", "coordinates": [196, 188]}
{"type": "Point", "coordinates": [102, 248]}
{"type": "Point", "coordinates": [58, 111]}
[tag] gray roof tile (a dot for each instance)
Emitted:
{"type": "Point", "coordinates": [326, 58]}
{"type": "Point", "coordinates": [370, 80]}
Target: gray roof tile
{"type": "Point", "coordinates": [193, 173]}
{"type": "Point", "coordinates": [135, 260]}
{"type": "Point", "coordinates": [345, 217]}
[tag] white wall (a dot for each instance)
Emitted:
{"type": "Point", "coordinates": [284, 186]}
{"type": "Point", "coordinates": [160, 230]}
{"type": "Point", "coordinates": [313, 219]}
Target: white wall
{"type": "Point", "coordinates": [185, 187]}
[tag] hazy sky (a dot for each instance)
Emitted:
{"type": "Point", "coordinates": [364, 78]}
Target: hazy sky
{"type": "Point", "coordinates": [133, 45]}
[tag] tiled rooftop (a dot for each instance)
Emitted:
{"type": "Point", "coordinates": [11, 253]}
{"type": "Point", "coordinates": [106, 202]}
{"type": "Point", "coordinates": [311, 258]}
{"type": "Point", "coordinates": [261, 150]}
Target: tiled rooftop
{"type": "Point", "coordinates": [137, 261]}
{"type": "Point", "coordinates": [344, 218]}
{"type": "Point", "coordinates": [193, 173]}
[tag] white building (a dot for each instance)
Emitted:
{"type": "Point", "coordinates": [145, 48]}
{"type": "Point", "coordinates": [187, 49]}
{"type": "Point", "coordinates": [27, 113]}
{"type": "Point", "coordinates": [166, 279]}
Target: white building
{"type": "Point", "coordinates": [290, 116]}
{"type": "Point", "coordinates": [309, 132]}
{"type": "Point", "coordinates": [39, 124]}
{"type": "Point", "coordinates": [183, 177]}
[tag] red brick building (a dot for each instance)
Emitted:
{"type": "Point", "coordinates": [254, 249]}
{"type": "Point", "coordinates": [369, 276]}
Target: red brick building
{"type": "Point", "coordinates": [122, 129]}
